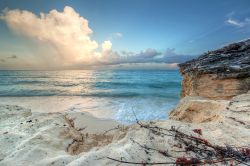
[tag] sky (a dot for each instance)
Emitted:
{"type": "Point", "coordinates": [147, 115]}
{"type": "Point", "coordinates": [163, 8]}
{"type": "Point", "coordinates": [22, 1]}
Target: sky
{"type": "Point", "coordinates": [86, 34]}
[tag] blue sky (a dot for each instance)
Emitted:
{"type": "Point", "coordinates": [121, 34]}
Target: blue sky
{"type": "Point", "coordinates": [189, 27]}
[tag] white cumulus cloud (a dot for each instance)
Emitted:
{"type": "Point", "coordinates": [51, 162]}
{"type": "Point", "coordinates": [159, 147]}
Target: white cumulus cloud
{"type": "Point", "coordinates": [65, 37]}
{"type": "Point", "coordinates": [106, 45]}
{"type": "Point", "coordinates": [67, 32]}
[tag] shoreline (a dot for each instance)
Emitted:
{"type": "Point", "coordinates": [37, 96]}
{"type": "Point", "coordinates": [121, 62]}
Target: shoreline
{"type": "Point", "coordinates": [120, 110]}
{"type": "Point", "coordinates": [54, 104]}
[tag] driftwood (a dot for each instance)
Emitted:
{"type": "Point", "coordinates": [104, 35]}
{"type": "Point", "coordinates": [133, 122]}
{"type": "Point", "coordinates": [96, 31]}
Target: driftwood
{"type": "Point", "coordinates": [205, 152]}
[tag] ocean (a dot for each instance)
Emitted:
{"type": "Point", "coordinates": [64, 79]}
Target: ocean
{"type": "Point", "coordinates": [144, 94]}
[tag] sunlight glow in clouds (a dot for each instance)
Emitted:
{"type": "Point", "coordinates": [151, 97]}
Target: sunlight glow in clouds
{"type": "Point", "coordinates": [106, 46]}
{"type": "Point", "coordinates": [66, 31]}
{"type": "Point", "coordinates": [69, 36]}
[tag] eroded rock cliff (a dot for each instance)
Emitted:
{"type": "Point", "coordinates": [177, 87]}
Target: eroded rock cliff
{"type": "Point", "coordinates": [219, 74]}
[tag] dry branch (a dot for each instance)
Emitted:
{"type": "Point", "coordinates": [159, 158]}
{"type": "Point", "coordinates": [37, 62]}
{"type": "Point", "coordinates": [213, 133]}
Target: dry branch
{"type": "Point", "coordinates": [205, 152]}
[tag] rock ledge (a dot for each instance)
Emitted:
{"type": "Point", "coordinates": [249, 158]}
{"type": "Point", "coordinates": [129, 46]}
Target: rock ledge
{"type": "Point", "coordinates": [219, 74]}
{"type": "Point", "coordinates": [232, 61]}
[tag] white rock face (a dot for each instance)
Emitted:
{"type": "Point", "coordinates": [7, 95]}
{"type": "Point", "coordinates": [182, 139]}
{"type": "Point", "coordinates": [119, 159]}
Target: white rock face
{"type": "Point", "coordinates": [198, 110]}
{"type": "Point", "coordinates": [28, 138]}
{"type": "Point", "coordinates": [48, 138]}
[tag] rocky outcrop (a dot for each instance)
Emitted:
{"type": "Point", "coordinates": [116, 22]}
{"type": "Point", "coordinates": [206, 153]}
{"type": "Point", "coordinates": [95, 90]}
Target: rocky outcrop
{"type": "Point", "coordinates": [211, 82]}
{"type": "Point", "coordinates": [32, 138]}
{"type": "Point", "coordinates": [198, 110]}
{"type": "Point", "coordinates": [219, 74]}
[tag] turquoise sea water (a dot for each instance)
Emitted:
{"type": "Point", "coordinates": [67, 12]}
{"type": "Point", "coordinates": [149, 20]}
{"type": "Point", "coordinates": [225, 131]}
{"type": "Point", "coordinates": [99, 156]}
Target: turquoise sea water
{"type": "Point", "coordinates": [147, 93]}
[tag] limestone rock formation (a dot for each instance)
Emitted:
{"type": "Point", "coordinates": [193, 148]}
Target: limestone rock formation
{"type": "Point", "coordinates": [198, 110]}
{"type": "Point", "coordinates": [219, 74]}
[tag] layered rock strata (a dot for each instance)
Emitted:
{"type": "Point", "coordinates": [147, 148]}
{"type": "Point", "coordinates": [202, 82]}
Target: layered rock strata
{"type": "Point", "coordinates": [219, 74]}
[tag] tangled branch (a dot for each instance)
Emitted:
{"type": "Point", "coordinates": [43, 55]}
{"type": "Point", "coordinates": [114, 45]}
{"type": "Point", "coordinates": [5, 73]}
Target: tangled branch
{"type": "Point", "coordinates": [205, 152]}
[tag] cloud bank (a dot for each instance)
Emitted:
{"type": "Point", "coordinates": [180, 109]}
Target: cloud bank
{"type": "Point", "coordinates": [66, 41]}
